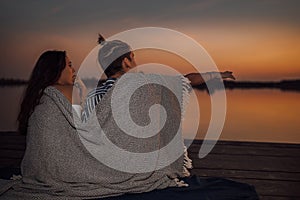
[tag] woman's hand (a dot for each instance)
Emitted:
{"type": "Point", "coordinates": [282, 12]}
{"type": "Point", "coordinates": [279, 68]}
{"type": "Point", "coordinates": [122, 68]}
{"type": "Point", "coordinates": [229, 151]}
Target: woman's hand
{"type": "Point", "coordinates": [81, 89]}
{"type": "Point", "coordinates": [79, 83]}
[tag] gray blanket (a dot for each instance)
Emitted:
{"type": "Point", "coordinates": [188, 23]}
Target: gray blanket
{"type": "Point", "coordinates": [66, 159]}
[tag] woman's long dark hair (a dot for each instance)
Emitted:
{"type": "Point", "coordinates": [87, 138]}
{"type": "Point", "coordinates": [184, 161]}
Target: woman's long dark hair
{"type": "Point", "coordinates": [46, 72]}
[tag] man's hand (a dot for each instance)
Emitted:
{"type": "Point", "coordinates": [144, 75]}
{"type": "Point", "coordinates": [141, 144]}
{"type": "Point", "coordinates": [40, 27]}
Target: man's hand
{"type": "Point", "coordinates": [227, 75]}
{"type": "Point", "coordinates": [197, 79]}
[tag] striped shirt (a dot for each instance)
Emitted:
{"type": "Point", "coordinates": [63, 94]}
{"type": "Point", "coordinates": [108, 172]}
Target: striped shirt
{"type": "Point", "coordinates": [95, 96]}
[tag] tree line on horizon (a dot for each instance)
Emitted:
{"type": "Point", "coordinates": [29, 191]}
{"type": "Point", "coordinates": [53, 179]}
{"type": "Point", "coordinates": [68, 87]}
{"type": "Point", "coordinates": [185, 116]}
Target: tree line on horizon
{"type": "Point", "coordinates": [12, 82]}
{"type": "Point", "coordinates": [286, 85]}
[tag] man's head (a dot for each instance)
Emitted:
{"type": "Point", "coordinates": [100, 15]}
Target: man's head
{"type": "Point", "coordinates": [115, 57]}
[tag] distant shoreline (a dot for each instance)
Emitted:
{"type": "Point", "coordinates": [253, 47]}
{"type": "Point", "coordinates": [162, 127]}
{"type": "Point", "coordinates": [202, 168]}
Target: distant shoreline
{"type": "Point", "coordinates": [287, 85]}
{"type": "Point", "coordinates": [12, 82]}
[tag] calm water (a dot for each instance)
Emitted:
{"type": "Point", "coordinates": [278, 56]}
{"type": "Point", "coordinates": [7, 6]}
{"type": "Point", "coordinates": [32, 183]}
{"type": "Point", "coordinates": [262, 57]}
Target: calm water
{"type": "Point", "coordinates": [252, 115]}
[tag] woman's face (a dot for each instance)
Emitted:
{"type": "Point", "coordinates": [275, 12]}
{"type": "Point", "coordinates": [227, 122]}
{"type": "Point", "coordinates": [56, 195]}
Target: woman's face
{"type": "Point", "coordinates": [67, 76]}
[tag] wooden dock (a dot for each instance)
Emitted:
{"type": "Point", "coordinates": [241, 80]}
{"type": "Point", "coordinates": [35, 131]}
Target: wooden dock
{"type": "Point", "coordinates": [273, 168]}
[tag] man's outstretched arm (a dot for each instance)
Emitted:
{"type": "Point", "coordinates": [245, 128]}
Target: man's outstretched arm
{"type": "Point", "coordinates": [197, 78]}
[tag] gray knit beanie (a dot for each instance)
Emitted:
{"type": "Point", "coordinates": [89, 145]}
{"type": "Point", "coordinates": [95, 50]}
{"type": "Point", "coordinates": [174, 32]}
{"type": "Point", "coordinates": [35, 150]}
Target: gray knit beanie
{"type": "Point", "coordinates": [110, 51]}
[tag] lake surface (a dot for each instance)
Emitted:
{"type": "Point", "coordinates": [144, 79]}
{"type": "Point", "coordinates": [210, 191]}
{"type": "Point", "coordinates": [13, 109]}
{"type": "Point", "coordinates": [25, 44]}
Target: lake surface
{"type": "Point", "coordinates": [264, 115]}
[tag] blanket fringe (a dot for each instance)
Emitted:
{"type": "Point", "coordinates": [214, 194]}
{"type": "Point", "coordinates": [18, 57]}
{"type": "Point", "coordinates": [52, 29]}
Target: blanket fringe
{"type": "Point", "coordinates": [186, 87]}
{"type": "Point", "coordinates": [180, 183]}
{"type": "Point", "coordinates": [16, 177]}
{"type": "Point", "coordinates": [187, 163]}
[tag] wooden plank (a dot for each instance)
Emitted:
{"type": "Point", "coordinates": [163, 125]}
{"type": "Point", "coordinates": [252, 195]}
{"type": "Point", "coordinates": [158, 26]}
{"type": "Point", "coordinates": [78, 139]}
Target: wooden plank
{"type": "Point", "coordinates": [16, 147]}
{"type": "Point", "coordinates": [12, 139]}
{"type": "Point", "coordinates": [9, 133]}
{"type": "Point", "coordinates": [259, 163]}
{"type": "Point", "coordinates": [264, 187]}
{"type": "Point", "coordinates": [12, 154]}
{"type": "Point", "coordinates": [274, 188]}
{"type": "Point", "coordinates": [5, 140]}
{"type": "Point", "coordinates": [250, 150]}
{"type": "Point", "coordinates": [10, 162]}
{"type": "Point", "coordinates": [265, 175]}
{"type": "Point", "coordinates": [270, 187]}
{"type": "Point", "coordinates": [276, 198]}
{"type": "Point", "coordinates": [252, 144]}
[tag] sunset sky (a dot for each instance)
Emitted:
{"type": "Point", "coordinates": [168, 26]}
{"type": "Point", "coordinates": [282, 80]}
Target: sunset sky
{"type": "Point", "coordinates": [257, 39]}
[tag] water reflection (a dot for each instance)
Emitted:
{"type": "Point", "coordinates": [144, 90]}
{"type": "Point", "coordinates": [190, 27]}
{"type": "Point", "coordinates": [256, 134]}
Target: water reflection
{"type": "Point", "coordinates": [263, 115]}
{"type": "Point", "coordinates": [10, 106]}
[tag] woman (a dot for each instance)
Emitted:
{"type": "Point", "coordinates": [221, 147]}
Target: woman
{"type": "Point", "coordinates": [56, 164]}
{"type": "Point", "coordinates": [53, 68]}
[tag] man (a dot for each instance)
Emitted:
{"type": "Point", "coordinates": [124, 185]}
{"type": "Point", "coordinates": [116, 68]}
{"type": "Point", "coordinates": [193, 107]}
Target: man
{"type": "Point", "coordinates": [138, 144]}
{"type": "Point", "coordinates": [115, 66]}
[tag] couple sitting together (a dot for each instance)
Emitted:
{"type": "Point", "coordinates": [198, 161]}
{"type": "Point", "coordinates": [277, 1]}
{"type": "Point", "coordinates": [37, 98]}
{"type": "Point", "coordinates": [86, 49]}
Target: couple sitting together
{"type": "Point", "coordinates": [122, 145]}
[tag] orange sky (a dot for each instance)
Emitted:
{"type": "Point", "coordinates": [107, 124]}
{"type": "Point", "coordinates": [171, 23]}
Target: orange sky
{"type": "Point", "coordinates": [258, 44]}
{"type": "Point", "coordinates": [261, 53]}
{"type": "Point", "coordinates": [253, 51]}
{"type": "Point", "coordinates": [256, 51]}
